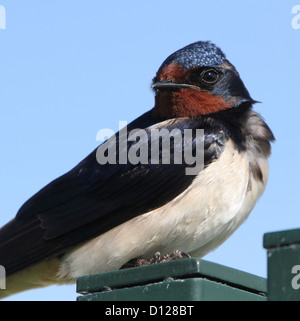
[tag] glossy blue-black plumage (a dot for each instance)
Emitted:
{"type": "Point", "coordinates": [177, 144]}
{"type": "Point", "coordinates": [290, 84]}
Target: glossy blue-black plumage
{"type": "Point", "coordinates": [197, 54]}
{"type": "Point", "coordinates": [92, 198]}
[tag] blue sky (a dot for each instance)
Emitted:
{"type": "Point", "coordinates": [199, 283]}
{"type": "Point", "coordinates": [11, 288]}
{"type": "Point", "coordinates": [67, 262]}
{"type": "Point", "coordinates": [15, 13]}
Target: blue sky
{"type": "Point", "coordinates": [70, 68]}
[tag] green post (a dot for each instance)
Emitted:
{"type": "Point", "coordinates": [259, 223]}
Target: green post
{"type": "Point", "coordinates": [180, 280]}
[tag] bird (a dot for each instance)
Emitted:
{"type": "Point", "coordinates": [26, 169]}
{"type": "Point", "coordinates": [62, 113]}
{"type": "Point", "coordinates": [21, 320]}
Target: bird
{"type": "Point", "coordinates": [100, 217]}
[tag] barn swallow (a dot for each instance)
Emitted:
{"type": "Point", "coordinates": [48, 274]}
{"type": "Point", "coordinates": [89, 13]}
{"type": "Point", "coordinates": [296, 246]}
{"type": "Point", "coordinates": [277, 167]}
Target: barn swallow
{"type": "Point", "coordinates": [98, 217]}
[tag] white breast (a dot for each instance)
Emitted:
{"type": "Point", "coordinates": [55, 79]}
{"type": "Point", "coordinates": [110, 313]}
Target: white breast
{"type": "Point", "coordinates": [196, 221]}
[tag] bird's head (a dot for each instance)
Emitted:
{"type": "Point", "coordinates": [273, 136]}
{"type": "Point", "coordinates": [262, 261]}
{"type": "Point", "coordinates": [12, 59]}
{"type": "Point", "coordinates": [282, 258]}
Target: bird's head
{"type": "Point", "coordinates": [197, 80]}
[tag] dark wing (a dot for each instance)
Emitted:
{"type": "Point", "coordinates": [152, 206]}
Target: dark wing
{"type": "Point", "coordinates": [92, 198]}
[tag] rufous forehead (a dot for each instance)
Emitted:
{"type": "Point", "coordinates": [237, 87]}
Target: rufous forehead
{"type": "Point", "coordinates": [173, 71]}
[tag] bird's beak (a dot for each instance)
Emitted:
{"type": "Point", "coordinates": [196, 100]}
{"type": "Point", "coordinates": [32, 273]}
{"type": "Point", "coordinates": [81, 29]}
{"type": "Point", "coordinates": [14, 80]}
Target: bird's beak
{"type": "Point", "coordinates": [167, 84]}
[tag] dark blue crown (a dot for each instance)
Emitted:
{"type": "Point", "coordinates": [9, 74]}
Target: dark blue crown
{"type": "Point", "coordinates": [201, 53]}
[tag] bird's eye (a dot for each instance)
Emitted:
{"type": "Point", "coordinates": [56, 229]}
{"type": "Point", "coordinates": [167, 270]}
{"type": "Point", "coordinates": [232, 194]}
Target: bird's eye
{"type": "Point", "coordinates": [210, 76]}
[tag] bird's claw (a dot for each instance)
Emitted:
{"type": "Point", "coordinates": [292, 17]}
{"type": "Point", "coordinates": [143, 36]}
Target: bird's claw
{"type": "Point", "coordinates": [175, 256]}
{"type": "Point", "coordinates": [156, 259]}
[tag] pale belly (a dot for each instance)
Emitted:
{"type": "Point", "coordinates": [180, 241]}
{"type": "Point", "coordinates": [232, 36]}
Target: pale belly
{"type": "Point", "coordinates": [196, 221]}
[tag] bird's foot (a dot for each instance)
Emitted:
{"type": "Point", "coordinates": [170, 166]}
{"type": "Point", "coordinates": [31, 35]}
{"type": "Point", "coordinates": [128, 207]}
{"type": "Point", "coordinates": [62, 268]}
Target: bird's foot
{"type": "Point", "coordinates": [156, 259]}
{"type": "Point", "coordinates": [175, 256]}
